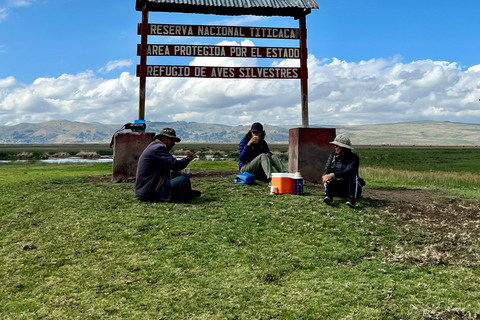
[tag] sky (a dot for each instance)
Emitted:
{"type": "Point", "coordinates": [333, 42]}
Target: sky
{"type": "Point", "coordinates": [370, 62]}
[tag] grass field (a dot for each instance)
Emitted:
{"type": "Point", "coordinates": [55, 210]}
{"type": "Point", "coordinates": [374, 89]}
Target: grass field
{"type": "Point", "coordinates": [75, 246]}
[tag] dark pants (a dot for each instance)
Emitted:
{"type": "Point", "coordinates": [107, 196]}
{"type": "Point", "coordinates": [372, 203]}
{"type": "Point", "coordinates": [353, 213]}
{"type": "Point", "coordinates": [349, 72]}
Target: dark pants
{"type": "Point", "coordinates": [347, 187]}
{"type": "Point", "coordinates": [181, 188]}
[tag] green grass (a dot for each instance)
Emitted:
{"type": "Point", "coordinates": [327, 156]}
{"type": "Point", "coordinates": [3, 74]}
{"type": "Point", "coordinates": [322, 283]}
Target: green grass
{"type": "Point", "coordinates": [422, 159]}
{"type": "Point", "coordinates": [23, 173]}
{"type": "Point", "coordinates": [74, 249]}
{"type": "Point", "coordinates": [219, 165]}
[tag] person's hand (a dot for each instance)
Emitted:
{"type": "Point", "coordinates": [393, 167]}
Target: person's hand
{"type": "Point", "coordinates": [253, 140]}
{"type": "Point", "coordinates": [191, 157]}
{"type": "Point", "coordinates": [326, 178]}
{"type": "Point", "coordinates": [269, 155]}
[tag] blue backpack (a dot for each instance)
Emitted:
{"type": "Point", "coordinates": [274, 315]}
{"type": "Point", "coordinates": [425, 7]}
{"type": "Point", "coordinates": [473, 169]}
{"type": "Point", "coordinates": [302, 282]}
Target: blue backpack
{"type": "Point", "coordinates": [244, 178]}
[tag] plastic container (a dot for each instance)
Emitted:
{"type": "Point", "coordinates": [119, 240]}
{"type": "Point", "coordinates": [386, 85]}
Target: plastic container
{"type": "Point", "coordinates": [283, 182]}
{"type": "Point", "coordinates": [298, 184]}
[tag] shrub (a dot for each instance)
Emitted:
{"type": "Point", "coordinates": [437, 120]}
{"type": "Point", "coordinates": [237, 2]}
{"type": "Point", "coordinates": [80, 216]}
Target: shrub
{"type": "Point", "coordinates": [25, 156]}
{"type": "Point", "coordinates": [87, 155]}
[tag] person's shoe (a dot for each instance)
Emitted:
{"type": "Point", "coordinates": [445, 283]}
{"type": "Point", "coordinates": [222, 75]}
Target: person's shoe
{"type": "Point", "coordinates": [350, 203]}
{"type": "Point", "coordinates": [327, 200]}
{"type": "Point", "coordinates": [195, 194]}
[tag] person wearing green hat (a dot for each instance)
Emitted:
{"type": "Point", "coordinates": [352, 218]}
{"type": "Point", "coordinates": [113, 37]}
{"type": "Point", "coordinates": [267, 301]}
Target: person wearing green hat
{"type": "Point", "coordinates": [340, 177]}
{"type": "Point", "coordinates": [154, 180]}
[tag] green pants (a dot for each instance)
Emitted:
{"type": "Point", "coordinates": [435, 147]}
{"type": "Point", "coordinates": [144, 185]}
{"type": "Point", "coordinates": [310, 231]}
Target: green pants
{"type": "Point", "coordinates": [262, 166]}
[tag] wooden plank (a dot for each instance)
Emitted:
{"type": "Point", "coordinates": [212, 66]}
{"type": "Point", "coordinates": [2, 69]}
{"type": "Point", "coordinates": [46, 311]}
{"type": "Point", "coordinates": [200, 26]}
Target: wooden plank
{"type": "Point", "coordinates": [180, 30]}
{"type": "Point", "coordinates": [143, 66]}
{"type": "Point", "coordinates": [185, 50]}
{"type": "Point", "coordinates": [304, 70]}
{"type": "Point", "coordinates": [221, 72]}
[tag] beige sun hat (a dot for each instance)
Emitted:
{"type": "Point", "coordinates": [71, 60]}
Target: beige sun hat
{"type": "Point", "coordinates": [342, 141]}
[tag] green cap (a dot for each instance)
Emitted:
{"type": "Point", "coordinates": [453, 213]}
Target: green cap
{"type": "Point", "coordinates": [168, 132]}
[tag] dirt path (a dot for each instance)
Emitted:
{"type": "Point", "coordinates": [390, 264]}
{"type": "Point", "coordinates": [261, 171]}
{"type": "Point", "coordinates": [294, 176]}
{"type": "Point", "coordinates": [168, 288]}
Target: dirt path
{"type": "Point", "coordinates": [437, 211]}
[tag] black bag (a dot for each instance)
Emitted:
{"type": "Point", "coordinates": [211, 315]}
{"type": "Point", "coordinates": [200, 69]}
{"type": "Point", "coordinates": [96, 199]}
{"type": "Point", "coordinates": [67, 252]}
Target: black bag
{"type": "Point", "coordinates": [361, 182]}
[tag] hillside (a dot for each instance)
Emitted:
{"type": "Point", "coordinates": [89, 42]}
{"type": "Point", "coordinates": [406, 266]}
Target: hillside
{"type": "Point", "coordinates": [406, 133]}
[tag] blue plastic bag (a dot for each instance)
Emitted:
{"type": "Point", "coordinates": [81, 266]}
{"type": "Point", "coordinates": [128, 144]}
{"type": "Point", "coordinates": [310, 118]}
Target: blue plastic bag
{"type": "Point", "coordinates": [244, 178]}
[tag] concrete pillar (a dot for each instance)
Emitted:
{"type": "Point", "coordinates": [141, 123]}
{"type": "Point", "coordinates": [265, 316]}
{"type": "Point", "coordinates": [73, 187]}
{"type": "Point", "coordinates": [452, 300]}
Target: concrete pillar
{"type": "Point", "coordinates": [308, 151]}
{"type": "Point", "coordinates": [127, 148]}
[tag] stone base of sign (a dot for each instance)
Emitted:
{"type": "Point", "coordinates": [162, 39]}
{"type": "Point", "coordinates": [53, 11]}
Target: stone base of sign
{"type": "Point", "coordinates": [308, 151]}
{"type": "Point", "coordinates": [127, 148]}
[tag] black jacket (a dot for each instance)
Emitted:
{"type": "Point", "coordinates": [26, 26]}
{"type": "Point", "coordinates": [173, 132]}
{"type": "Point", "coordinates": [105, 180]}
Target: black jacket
{"type": "Point", "coordinates": [343, 164]}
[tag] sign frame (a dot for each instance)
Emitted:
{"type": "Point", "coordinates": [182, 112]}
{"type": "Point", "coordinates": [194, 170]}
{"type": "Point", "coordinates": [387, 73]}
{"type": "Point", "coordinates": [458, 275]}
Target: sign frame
{"type": "Point", "coordinates": [145, 29]}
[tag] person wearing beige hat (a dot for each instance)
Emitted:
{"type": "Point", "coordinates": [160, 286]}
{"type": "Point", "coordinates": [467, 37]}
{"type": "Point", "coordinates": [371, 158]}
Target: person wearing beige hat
{"type": "Point", "coordinates": [340, 177]}
{"type": "Point", "coordinates": [154, 180]}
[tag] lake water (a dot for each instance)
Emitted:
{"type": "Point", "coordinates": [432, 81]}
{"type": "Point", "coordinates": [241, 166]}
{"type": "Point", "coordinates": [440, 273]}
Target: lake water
{"type": "Point", "coordinates": [102, 159]}
{"type": "Point", "coordinates": [105, 159]}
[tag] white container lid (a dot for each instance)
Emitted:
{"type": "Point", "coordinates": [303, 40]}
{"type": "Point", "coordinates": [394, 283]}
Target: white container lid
{"type": "Point", "coordinates": [297, 175]}
{"type": "Point", "coordinates": [283, 175]}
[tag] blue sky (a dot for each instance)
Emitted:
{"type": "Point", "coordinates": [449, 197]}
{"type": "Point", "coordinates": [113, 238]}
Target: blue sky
{"type": "Point", "coordinates": [370, 62]}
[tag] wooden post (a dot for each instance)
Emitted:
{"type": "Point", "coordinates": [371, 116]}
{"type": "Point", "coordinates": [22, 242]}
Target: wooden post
{"type": "Point", "coordinates": [143, 63]}
{"type": "Point", "coordinates": [303, 69]}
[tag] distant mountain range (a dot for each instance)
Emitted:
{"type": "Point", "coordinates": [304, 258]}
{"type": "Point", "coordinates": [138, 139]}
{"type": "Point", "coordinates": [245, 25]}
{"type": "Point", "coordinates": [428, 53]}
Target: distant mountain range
{"type": "Point", "coordinates": [405, 133]}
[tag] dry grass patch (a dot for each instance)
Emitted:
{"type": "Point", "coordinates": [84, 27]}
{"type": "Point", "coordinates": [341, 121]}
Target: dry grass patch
{"type": "Point", "coordinates": [87, 155]}
{"type": "Point", "coordinates": [440, 178]}
{"type": "Point", "coordinates": [60, 155]}
{"type": "Point", "coordinates": [25, 156]}
{"type": "Point", "coordinates": [453, 314]}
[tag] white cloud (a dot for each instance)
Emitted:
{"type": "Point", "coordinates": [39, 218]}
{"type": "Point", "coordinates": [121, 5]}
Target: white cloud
{"type": "Point", "coordinates": [8, 82]}
{"type": "Point", "coordinates": [18, 3]}
{"type": "Point", "coordinates": [239, 21]}
{"type": "Point", "coordinates": [3, 14]}
{"type": "Point", "coordinates": [80, 97]}
{"type": "Point", "coordinates": [4, 7]}
{"type": "Point", "coordinates": [380, 91]}
{"type": "Point", "coordinates": [475, 68]}
{"type": "Point", "coordinates": [340, 92]}
{"type": "Point", "coordinates": [116, 64]}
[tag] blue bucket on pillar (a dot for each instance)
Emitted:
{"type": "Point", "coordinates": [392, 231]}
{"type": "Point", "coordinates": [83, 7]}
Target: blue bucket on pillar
{"type": "Point", "coordinates": [298, 184]}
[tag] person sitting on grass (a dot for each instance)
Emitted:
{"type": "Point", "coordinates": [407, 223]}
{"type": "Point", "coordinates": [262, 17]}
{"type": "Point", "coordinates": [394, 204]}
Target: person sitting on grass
{"type": "Point", "coordinates": [154, 171]}
{"type": "Point", "coordinates": [340, 177]}
{"type": "Point", "coordinates": [255, 156]}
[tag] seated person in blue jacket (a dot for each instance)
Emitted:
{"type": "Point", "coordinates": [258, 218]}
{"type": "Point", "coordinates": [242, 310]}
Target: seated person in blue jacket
{"type": "Point", "coordinates": [156, 167]}
{"type": "Point", "coordinates": [340, 177]}
{"type": "Point", "coordinates": [255, 156]}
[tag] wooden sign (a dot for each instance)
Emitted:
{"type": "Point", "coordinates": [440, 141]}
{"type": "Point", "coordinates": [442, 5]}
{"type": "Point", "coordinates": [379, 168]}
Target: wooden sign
{"type": "Point", "coordinates": [220, 31]}
{"type": "Point", "coordinates": [221, 72]}
{"type": "Point", "coordinates": [183, 50]}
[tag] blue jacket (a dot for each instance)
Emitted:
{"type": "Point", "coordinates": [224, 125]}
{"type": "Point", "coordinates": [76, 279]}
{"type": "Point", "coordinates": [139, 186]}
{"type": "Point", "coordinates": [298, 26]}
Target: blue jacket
{"type": "Point", "coordinates": [153, 172]}
{"type": "Point", "coordinates": [248, 153]}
